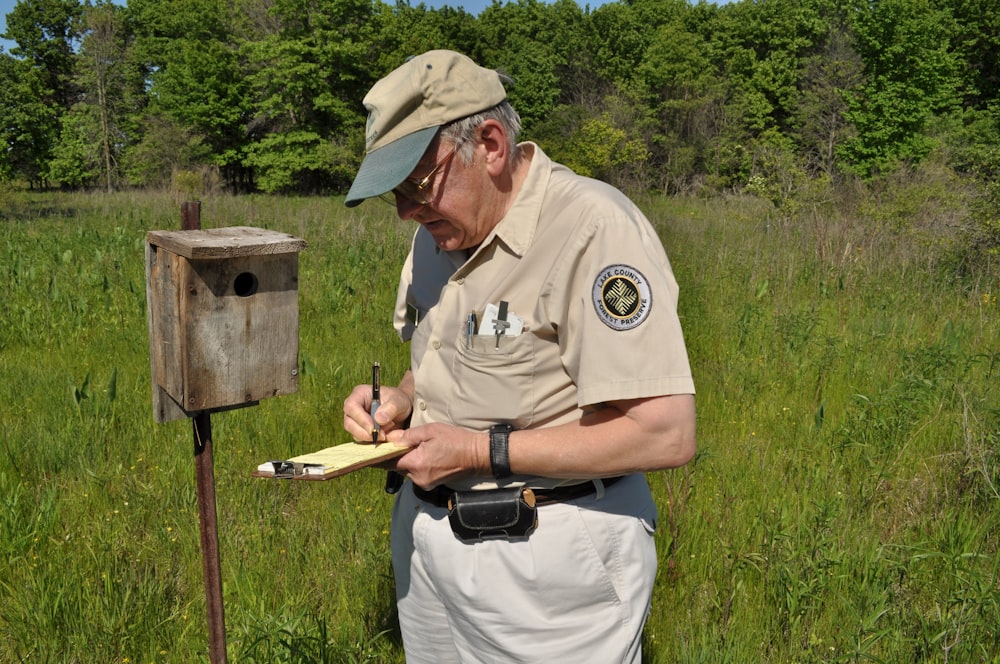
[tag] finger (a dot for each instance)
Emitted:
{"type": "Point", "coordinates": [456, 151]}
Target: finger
{"type": "Point", "coordinates": [356, 406]}
{"type": "Point", "coordinates": [384, 414]}
{"type": "Point", "coordinates": [399, 437]}
{"type": "Point", "coordinates": [396, 407]}
{"type": "Point", "coordinates": [356, 431]}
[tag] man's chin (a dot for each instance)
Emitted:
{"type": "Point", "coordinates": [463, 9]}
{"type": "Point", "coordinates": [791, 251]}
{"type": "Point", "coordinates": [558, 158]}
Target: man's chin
{"type": "Point", "coordinates": [446, 241]}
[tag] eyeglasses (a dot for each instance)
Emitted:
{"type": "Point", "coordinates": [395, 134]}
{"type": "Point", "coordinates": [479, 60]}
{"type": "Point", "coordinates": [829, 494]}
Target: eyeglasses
{"type": "Point", "coordinates": [417, 191]}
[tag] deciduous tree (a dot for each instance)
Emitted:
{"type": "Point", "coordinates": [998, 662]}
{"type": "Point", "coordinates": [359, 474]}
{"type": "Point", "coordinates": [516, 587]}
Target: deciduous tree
{"type": "Point", "coordinates": [195, 76]}
{"type": "Point", "coordinates": [29, 123]}
{"type": "Point", "coordinates": [306, 84]}
{"type": "Point", "coordinates": [103, 77]}
{"type": "Point", "coordinates": [36, 84]}
{"type": "Point", "coordinates": [911, 74]}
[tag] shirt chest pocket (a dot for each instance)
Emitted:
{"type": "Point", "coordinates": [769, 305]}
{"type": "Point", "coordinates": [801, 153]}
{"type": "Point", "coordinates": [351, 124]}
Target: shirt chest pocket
{"type": "Point", "coordinates": [494, 380]}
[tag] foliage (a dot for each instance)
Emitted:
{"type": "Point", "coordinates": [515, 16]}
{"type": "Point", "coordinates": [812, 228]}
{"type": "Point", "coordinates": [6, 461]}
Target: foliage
{"type": "Point", "coordinates": [109, 86]}
{"type": "Point", "coordinates": [530, 42]}
{"type": "Point", "coordinates": [164, 148]}
{"type": "Point", "coordinates": [30, 126]}
{"type": "Point", "coordinates": [46, 33]}
{"type": "Point", "coordinates": [819, 117]}
{"type": "Point", "coordinates": [598, 148]}
{"type": "Point", "coordinates": [76, 159]}
{"type": "Point", "coordinates": [269, 91]}
{"type": "Point", "coordinates": [911, 74]}
{"type": "Point", "coordinates": [306, 82]}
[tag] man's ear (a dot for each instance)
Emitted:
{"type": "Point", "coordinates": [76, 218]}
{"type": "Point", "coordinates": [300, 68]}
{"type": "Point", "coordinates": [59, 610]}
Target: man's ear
{"type": "Point", "coordinates": [493, 138]}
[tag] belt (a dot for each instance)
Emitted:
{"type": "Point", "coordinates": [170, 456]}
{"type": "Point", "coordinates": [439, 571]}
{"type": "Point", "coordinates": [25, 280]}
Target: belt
{"type": "Point", "coordinates": [439, 496]}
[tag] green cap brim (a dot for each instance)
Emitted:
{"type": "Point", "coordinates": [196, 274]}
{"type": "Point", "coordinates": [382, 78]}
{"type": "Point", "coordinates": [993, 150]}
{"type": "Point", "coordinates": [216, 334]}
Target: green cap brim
{"type": "Point", "coordinates": [383, 169]}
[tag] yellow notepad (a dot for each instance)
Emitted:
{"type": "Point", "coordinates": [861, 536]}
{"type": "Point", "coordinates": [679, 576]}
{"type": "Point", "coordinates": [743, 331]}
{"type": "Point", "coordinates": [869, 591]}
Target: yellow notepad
{"type": "Point", "coordinates": [330, 462]}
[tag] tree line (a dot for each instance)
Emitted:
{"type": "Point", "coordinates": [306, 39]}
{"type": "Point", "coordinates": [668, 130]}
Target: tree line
{"type": "Point", "coordinates": [665, 95]}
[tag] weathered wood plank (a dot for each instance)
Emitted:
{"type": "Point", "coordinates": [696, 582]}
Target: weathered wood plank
{"type": "Point", "coordinates": [221, 243]}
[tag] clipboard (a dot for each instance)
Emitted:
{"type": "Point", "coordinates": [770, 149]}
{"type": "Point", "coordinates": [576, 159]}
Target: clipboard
{"type": "Point", "coordinates": [330, 462]}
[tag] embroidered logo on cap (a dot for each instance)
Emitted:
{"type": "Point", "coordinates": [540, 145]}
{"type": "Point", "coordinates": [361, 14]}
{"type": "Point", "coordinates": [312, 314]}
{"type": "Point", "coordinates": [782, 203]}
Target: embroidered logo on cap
{"type": "Point", "coordinates": [621, 297]}
{"type": "Point", "coordinates": [371, 131]}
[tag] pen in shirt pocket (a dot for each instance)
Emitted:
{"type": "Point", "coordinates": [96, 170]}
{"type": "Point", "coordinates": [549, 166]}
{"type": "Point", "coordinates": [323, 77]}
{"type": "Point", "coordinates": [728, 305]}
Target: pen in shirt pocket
{"type": "Point", "coordinates": [470, 328]}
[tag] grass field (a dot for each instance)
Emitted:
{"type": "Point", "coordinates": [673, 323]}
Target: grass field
{"type": "Point", "coordinates": [843, 505]}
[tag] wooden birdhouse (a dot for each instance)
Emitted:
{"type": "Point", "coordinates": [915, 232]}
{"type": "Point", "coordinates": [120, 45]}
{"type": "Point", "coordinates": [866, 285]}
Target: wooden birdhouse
{"type": "Point", "coordinates": [223, 318]}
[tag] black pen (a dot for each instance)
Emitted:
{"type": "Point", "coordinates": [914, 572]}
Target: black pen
{"type": "Point", "coordinates": [376, 402]}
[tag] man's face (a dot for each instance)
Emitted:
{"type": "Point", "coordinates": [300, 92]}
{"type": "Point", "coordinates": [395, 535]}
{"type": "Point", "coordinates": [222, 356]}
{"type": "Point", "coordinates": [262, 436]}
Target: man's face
{"type": "Point", "coordinates": [448, 203]}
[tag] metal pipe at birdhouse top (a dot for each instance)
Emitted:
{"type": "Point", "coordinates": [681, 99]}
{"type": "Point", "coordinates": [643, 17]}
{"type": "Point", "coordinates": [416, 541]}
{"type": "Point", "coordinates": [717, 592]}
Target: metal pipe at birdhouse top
{"type": "Point", "coordinates": [191, 216]}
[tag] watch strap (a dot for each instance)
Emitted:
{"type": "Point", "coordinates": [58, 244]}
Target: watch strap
{"type": "Point", "coordinates": [500, 450]}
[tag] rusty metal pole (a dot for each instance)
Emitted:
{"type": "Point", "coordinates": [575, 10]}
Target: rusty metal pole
{"type": "Point", "coordinates": [207, 515]}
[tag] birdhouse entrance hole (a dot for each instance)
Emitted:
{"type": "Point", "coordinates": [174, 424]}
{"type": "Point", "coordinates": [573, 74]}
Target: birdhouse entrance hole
{"type": "Point", "coordinates": [245, 284]}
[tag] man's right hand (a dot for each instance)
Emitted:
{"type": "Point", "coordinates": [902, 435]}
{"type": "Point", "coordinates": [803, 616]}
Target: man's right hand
{"type": "Point", "coordinates": [397, 405]}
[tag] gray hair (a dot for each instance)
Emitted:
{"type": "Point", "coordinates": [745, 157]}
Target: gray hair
{"type": "Point", "coordinates": [462, 132]}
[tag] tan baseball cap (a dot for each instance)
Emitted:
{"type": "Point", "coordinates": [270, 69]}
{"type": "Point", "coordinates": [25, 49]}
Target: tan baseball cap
{"type": "Point", "coordinates": [406, 108]}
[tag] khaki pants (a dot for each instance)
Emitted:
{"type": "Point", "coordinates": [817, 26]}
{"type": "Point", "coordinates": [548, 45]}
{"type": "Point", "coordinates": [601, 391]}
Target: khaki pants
{"type": "Point", "coordinates": [578, 590]}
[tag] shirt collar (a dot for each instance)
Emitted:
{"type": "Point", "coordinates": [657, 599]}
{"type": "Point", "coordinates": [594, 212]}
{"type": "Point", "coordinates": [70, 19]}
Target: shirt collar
{"type": "Point", "coordinates": [518, 226]}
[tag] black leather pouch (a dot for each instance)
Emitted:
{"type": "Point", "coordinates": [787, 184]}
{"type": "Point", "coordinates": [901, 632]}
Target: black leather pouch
{"type": "Point", "coordinates": [492, 514]}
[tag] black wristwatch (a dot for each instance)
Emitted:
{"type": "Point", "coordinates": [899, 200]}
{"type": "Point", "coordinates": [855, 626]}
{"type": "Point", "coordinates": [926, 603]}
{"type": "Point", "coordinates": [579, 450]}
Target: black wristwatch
{"type": "Point", "coordinates": [500, 450]}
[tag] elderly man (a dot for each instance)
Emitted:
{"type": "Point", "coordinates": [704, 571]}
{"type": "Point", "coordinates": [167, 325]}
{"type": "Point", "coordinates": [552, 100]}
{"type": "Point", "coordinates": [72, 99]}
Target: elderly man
{"type": "Point", "coordinates": [548, 372]}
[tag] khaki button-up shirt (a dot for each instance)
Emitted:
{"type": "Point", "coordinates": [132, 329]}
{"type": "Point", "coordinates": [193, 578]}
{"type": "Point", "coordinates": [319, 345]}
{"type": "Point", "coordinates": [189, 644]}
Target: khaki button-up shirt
{"type": "Point", "coordinates": [586, 274]}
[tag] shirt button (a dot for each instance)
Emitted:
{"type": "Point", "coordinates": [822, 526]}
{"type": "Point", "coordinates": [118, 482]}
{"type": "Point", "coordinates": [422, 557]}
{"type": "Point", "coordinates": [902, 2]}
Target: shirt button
{"type": "Point", "coordinates": [436, 344]}
{"type": "Point", "coordinates": [422, 405]}
{"type": "Point", "coordinates": [460, 280]}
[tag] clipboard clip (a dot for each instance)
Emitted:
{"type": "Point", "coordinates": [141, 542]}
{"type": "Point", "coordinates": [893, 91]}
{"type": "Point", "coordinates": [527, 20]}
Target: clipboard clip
{"type": "Point", "coordinates": [290, 469]}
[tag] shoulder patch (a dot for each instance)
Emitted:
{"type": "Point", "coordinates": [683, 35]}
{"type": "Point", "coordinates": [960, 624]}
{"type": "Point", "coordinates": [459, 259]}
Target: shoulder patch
{"type": "Point", "coordinates": [621, 297]}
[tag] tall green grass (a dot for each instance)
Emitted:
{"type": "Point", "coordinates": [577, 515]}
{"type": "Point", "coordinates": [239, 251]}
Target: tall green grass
{"type": "Point", "coordinates": [843, 505]}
